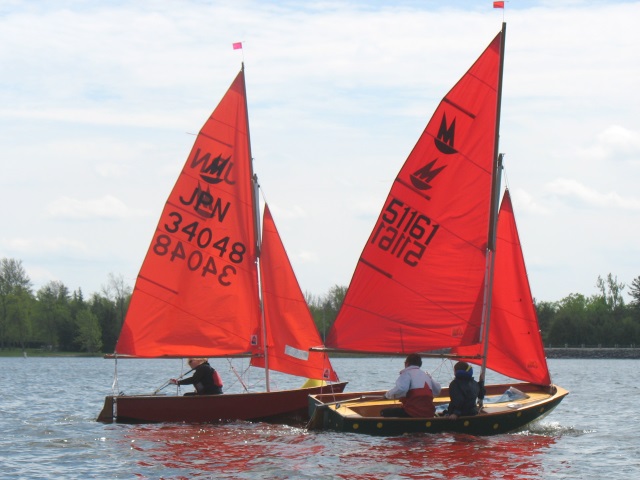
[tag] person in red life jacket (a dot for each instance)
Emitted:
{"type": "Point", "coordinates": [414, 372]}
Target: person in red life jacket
{"type": "Point", "coordinates": [415, 389]}
{"type": "Point", "coordinates": [464, 392]}
{"type": "Point", "coordinates": [204, 379]}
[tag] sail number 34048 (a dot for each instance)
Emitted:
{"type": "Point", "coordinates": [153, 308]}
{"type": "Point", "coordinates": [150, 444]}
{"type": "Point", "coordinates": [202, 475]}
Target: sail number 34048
{"type": "Point", "coordinates": [203, 238]}
{"type": "Point", "coordinates": [404, 232]}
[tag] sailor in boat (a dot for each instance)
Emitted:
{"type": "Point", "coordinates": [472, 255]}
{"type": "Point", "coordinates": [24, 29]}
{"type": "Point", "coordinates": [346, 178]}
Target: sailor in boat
{"type": "Point", "coordinates": [464, 392]}
{"type": "Point", "coordinates": [415, 389]}
{"type": "Point", "coordinates": [205, 379]}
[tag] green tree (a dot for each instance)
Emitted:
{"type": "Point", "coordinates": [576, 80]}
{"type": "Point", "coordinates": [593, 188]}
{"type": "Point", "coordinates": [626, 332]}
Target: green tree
{"type": "Point", "coordinates": [606, 311]}
{"type": "Point", "coordinates": [16, 301]}
{"type": "Point", "coordinates": [568, 326]}
{"type": "Point", "coordinates": [106, 312]}
{"type": "Point", "coordinates": [89, 336]}
{"type": "Point", "coordinates": [601, 319]}
{"type": "Point", "coordinates": [628, 332]}
{"type": "Point", "coordinates": [315, 307]}
{"type": "Point", "coordinates": [67, 326]}
{"type": "Point", "coordinates": [634, 292]}
{"type": "Point", "coordinates": [546, 312]}
{"type": "Point", "coordinates": [611, 292]}
{"type": "Point", "coordinates": [119, 293]}
{"type": "Point", "coordinates": [325, 309]}
{"type": "Point", "coordinates": [53, 312]}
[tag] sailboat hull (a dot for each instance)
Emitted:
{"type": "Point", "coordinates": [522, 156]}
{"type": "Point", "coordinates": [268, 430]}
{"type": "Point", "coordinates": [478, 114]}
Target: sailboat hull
{"type": "Point", "coordinates": [358, 413]}
{"type": "Point", "coordinates": [288, 406]}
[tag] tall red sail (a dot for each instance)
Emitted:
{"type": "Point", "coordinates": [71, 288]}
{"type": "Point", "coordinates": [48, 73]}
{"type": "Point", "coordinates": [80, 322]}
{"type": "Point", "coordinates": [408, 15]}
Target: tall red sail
{"type": "Point", "coordinates": [290, 326]}
{"type": "Point", "coordinates": [197, 290]}
{"type": "Point", "coordinates": [515, 345]}
{"type": "Point", "coordinates": [418, 284]}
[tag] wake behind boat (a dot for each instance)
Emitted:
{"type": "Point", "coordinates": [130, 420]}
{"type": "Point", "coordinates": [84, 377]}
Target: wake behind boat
{"type": "Point", "coordinates": [210, 286]}
{"type": "Point", "coordinates": [443, 270]}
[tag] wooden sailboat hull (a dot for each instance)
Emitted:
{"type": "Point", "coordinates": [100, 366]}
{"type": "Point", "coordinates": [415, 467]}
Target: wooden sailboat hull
{"type": "Point", "coordinates": [284, 405]}
{"type": "Point", "coordinates": [357, 413]}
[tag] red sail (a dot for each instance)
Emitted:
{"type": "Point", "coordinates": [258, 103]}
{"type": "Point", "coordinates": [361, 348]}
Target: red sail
{"type": "Point", "coordinates": [515, 346]}
{"type": "Point", "coordinates": [197, 290]}
{"type": "Point", "coordinates": [419, 281]}
{"type": "Point", "coordinates": [290, 326]}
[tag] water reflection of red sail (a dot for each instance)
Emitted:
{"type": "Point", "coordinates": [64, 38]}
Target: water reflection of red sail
{"type": "Point", "coordinates": [465, 456]}
{"type": "Point", "coordinates": [197, 293]}
{"type": "Point", "coordinates": [188, 451]}
{"type": "Point", "coordinates": [443, 270]}
{"type": "Point", "coordinates": [193, 450]}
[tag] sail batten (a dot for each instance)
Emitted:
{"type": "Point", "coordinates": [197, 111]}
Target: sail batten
{"type": "Point", "coordinates": [458, 107]}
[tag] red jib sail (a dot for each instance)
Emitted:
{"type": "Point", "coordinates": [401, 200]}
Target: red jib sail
{"type": "Point", "coordinates": [197, 290]}
{"type": "Point", "coordinates": [418, 284]}
{"type": "Point", "coordinates": [290, 326]}
{"type": "Point", "coordinates": [515, 346]}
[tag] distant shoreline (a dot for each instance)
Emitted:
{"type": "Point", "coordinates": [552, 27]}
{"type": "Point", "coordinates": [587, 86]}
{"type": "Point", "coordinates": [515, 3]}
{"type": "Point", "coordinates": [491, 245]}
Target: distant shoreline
{"type": "Point", "coordinates": [593, 353]}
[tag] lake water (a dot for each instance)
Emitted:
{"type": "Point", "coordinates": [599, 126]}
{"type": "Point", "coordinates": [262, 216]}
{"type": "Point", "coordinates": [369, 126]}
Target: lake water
{"type": "Point", "coordinates": [48, 408]}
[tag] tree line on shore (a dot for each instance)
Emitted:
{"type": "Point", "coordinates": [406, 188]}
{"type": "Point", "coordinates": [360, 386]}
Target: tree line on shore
{"type": "Point", "coordinates": [53, 318]}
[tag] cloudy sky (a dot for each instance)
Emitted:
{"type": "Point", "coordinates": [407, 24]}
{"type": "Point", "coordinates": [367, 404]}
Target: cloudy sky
{"type": "Point", "coordinates": [99, 103]}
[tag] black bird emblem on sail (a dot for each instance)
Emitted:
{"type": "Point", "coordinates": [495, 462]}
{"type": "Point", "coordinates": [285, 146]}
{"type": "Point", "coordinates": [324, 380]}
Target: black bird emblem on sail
{"type": "Point", "coordinates": [212, 170]}
{"type": "Point", "coordinates": [446, 135]}
{"type": "Point", "coordinates": [444, 141]}
{"type": "Point", "coordinates": [421, 178]}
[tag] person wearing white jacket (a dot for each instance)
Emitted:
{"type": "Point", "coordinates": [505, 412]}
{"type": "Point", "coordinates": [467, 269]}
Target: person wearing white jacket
{"type": "Point", "coordinates": [415, 388]}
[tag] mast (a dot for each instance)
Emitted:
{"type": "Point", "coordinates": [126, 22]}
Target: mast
{"type": "Point", "coordinates": [493, 215]}
{"type": "Point", "coordinates": [258, 230]}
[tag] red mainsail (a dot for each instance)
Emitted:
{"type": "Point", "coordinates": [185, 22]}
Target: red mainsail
{"type": "Point", "coordinates": [418, 284]}
{"type": "Point", "coordinates": [515, 345]}
{"type": "Point", "coordinates": [197, 290]}
{"type": "Point", "coordinates": [290, 326]}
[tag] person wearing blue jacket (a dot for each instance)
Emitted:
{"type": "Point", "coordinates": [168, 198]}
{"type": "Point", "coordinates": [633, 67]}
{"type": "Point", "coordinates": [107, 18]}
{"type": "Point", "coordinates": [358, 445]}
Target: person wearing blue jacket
{"type": "Point", "coordinates": [464, 392]}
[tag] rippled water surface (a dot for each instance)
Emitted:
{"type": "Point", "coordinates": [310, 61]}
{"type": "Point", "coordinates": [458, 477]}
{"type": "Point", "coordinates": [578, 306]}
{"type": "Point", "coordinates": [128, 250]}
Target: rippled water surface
{"type": "Point", "coordinates": [48, 409]}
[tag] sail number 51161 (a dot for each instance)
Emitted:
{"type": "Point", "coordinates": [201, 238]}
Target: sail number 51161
{"type": "Point", "coordinates": [404, 232]}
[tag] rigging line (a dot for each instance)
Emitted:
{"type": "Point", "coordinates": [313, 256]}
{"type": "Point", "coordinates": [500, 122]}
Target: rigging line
{"type": "Point", "coordinates": [239, 377]}
{"type": "Point", "coordinates": [114, 385]}
{"type": "Point", "coordinates": [504, 174]}
{"type": "Point", "coordinates": [440, 368]}
{"type": "Point", "coordinates": [262, 192]}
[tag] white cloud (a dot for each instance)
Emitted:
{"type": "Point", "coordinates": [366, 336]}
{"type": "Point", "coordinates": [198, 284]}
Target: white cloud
{"type": "Point", "coordinates": [527, 203]}
{"type": "Point", "coordinates": [307, 257]}
{"type": "Point", "coordinates": [96, 99]}
{"type": "Point", "coordinates": [107, 207]}
{"type": "Point", "coordinates": [620, 143]}
{"type": "Point", "coordinates": [288, 212]}
{"type": "Point", "coordinates": [585, 196]}
{"type": "Point", "coordinates": [44, 245]}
